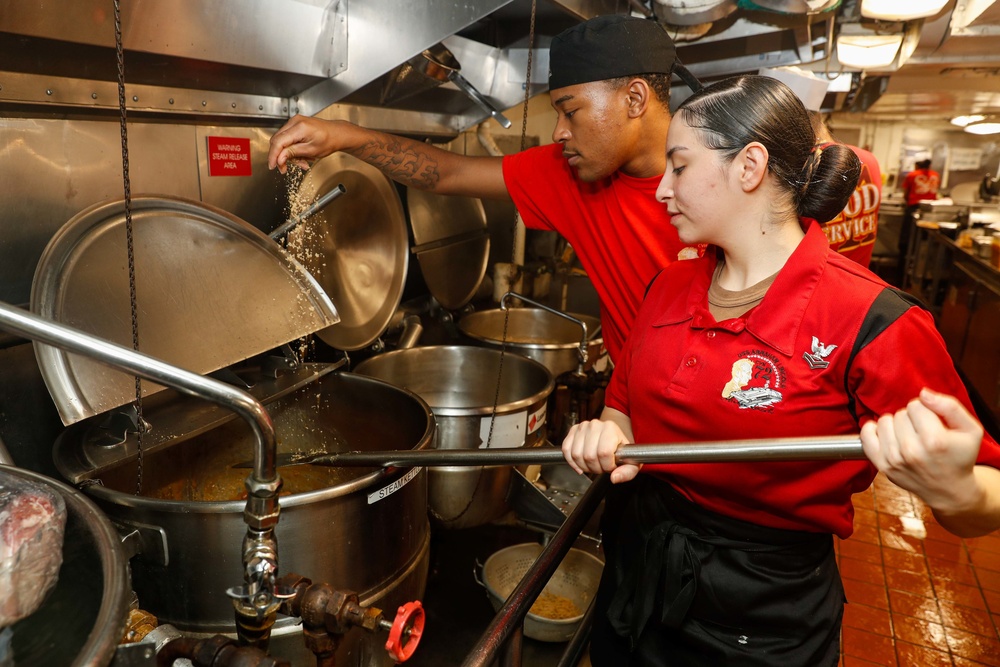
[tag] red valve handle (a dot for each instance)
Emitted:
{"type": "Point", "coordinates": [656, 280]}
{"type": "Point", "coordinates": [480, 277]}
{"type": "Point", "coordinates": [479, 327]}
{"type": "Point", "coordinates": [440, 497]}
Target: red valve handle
{"type": "Point", "coordinates": [406, 630]}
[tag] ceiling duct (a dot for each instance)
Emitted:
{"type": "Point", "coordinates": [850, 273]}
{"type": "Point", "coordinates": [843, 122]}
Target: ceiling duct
{"type": "Point", "coordinates": [867, 93]}
{"type": "Point", "coordinates": [692, 12]}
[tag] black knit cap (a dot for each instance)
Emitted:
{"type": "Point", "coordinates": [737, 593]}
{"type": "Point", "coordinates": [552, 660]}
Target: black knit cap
{"type": "Point", "coordinates": [609, 47]}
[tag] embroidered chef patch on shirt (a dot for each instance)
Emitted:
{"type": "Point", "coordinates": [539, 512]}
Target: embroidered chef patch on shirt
{"type": "Point", "coordinates": [757, 380]}
{"type": "Point", "coordinates": [817, 358]}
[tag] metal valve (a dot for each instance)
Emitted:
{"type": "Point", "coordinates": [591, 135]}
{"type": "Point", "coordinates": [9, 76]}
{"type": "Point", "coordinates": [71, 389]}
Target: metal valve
{"type": "Point", "coordinates": [405, 631]}
{"type": "Point", "coordinates": [327, 614]}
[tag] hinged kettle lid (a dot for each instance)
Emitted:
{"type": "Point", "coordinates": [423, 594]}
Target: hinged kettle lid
{"type": "Point", "coordinates": [211, 290]}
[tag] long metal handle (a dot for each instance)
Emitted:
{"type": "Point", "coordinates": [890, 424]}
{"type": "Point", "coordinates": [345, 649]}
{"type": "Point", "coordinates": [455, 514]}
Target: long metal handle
{"type": "Point", "coordinates": [583, 325]}
{"type": "Point", "coordinates": [477, 97]}
{"type": "Point", "coordinates": [819, 448]}
{"type": "Point", "coordinates": [315, 208]}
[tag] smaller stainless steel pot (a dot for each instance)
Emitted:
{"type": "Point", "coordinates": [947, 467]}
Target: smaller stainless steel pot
{"type": "Point", "coordinates": [459, 383]}
{"type": "Point", "coordinates": [534, 333]}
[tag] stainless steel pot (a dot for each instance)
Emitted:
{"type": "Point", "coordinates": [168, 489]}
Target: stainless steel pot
{"type": "Point", "coordinates": [83, 617]}
{"type": "Point", "coordinates": [459, 384]}
{"type": "Point", "coordinates": [550, 340]}
{"type": "Point", "coordinates": [363, 530]}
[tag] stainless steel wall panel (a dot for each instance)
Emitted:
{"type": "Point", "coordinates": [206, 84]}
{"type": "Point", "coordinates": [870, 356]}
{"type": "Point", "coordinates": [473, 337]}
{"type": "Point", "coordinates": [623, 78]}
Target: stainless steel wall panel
{"type": "Point", "coordinates": [50, 169]}
{"type": "Point", "coordinates": [260, 198]}
{"type": "Point", "coordinates": [19, 88]}
{"type": "Point", "coordinates": [302, 36]}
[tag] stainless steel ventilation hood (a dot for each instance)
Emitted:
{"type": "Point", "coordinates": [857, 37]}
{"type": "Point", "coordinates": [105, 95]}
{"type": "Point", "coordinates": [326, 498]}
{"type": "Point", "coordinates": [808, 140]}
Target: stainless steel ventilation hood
{"type": "Point", "coordinates": [265, 60]}
{"type": "Point", "coordinates": [255, 59]}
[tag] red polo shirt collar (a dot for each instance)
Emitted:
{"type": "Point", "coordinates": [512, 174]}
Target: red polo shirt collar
{"type": "Point", "coordinates": [777, 319]}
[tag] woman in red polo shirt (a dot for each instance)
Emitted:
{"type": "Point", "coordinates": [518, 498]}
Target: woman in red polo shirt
{"type": "Point", "coordinates": [771, 335]}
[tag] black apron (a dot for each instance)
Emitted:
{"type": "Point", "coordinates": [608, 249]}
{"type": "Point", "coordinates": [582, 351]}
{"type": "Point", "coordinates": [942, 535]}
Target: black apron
{"type": "Point", "coordinates": [685, 586]}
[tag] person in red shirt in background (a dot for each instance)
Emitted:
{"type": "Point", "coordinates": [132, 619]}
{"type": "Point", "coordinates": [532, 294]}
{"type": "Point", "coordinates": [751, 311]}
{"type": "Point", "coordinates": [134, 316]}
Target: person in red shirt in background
{"type": "Point", "coordinates": [609, 82]}
{"type": "Point", "coordinates": [920, 184]}
{"type": "Point", "coordinates": [852, 233]}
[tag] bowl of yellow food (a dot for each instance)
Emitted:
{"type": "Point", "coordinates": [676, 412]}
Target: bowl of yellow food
{"type": "Point", "coordinates": [558, 610]}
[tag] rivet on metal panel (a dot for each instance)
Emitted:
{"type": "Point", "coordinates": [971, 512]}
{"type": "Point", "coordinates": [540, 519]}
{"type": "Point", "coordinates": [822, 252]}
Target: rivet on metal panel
{"type": "Point", "coordinates": [48, 92]}
{"type": "Point", "coordinates": [260, 107]}
{"type": "Point", "coordinates": [204, 103]}
{"type": "Point", "coordinates": [93, 96]}
{"type": "Point", "coordinates": [171, 100]}
{"type": "Point", "coordinates": [135, 98]}
{"type": "Point", "coordinates": [234, 105]}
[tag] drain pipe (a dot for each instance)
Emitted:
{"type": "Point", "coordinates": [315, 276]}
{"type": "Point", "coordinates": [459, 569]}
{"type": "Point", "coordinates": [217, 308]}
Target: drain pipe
{"type": "Point", "coordinates": [256, 605]}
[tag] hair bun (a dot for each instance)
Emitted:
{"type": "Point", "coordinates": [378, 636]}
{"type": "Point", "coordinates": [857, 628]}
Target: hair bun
{"type": "Point", "coordinates": [833, 180]}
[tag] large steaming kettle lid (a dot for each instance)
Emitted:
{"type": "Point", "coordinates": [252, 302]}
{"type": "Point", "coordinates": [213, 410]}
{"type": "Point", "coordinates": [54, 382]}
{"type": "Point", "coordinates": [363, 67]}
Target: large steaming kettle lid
{"type": "Point", "coordinates": [211, 290]}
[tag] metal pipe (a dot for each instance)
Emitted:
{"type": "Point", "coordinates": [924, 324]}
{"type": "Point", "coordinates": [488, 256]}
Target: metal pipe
{"type": "Point", "coordinates": [315, 208]}
{"type": "Point", "coordinates": [818, 448]}
{"type": "Point", "coordinates": [512, 613]}
{"type": "Point", "coordinates": [412, 330]}
{"type": "Point", "coordinates": [478, 98]}
{"type": "Point", "coordinates": [574, 649]}
{"type": "Point", "coordinates": [261, 512]}
{"type": "Point", "coordinates": [513, 649]}
{"type": "Point", "coordinates": [581, 323]}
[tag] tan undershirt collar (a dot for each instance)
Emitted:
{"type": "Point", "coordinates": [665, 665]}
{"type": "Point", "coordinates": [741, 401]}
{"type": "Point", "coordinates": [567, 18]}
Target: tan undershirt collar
{"type": "Point", "coordinates": [725, 304]}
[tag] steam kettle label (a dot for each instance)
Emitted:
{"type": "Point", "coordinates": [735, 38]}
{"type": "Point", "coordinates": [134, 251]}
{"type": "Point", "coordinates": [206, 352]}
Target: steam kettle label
{"type": "Point", "coordinates": [508, 431]}
{"type": "Point", "coordinates": [536, 419]}
{"type": "Point", "coordinates": [387, 491]}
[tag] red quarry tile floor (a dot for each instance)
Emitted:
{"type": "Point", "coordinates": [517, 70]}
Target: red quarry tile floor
{"type": "Point", "coordinates": [917, 595]}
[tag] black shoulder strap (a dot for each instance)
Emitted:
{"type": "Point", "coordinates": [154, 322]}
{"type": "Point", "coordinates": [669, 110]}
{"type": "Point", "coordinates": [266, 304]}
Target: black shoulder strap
{"type": "Point", "coordinates": [650, 283]}
{"type": "Point", "coordinates": [888, 307]}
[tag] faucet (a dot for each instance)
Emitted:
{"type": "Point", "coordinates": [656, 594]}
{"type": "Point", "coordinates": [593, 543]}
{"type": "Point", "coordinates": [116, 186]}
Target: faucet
{"type": "Point", "coordinates": [582, 348]}
{"type": "Point", "coordinates": [256, 608]}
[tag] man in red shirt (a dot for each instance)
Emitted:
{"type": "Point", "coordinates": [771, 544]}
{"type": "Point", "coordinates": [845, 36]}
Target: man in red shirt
{"type": "Point", "coordinates": [920, 184]}
{"type": "Point", "coordinates": [609, 82]}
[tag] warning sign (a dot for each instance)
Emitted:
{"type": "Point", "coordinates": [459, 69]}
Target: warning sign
{"type": "Point", "coordinates": [228, 156]}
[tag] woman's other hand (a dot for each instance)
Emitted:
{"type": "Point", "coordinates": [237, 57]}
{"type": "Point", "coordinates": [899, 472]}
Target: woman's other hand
{"type": "Point", "coordinates": [930, 448]}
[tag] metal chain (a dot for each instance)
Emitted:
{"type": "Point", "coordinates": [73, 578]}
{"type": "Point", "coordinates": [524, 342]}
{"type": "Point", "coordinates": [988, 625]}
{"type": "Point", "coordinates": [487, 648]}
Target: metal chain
{"type": "Point", "coordinates": [506, 319]}
{"type": "Point", "coordinates": [513, 249]}
{"type": "Point", "coordinates": [120, 54]}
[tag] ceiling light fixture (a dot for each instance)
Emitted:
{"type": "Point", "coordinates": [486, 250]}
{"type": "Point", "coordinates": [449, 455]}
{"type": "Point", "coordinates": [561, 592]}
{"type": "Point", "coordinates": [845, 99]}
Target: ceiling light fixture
{"type": "Point", "coordinates": [962, 121]}
{"type": "Point", "coordinates": [894, 10]}
{"type": "Point", "coordinates": [983, 128]}
{"type": "Point", "coordinates": [868, 51]}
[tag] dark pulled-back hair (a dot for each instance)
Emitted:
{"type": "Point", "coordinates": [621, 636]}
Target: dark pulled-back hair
{"type": "Point", "coordinates": [736, 111]}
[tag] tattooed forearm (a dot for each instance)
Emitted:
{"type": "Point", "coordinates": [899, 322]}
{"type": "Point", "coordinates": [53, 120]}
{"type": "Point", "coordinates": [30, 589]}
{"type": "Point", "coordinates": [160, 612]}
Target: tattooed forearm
{"type": "Point", "coordinates": [402, 161]}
